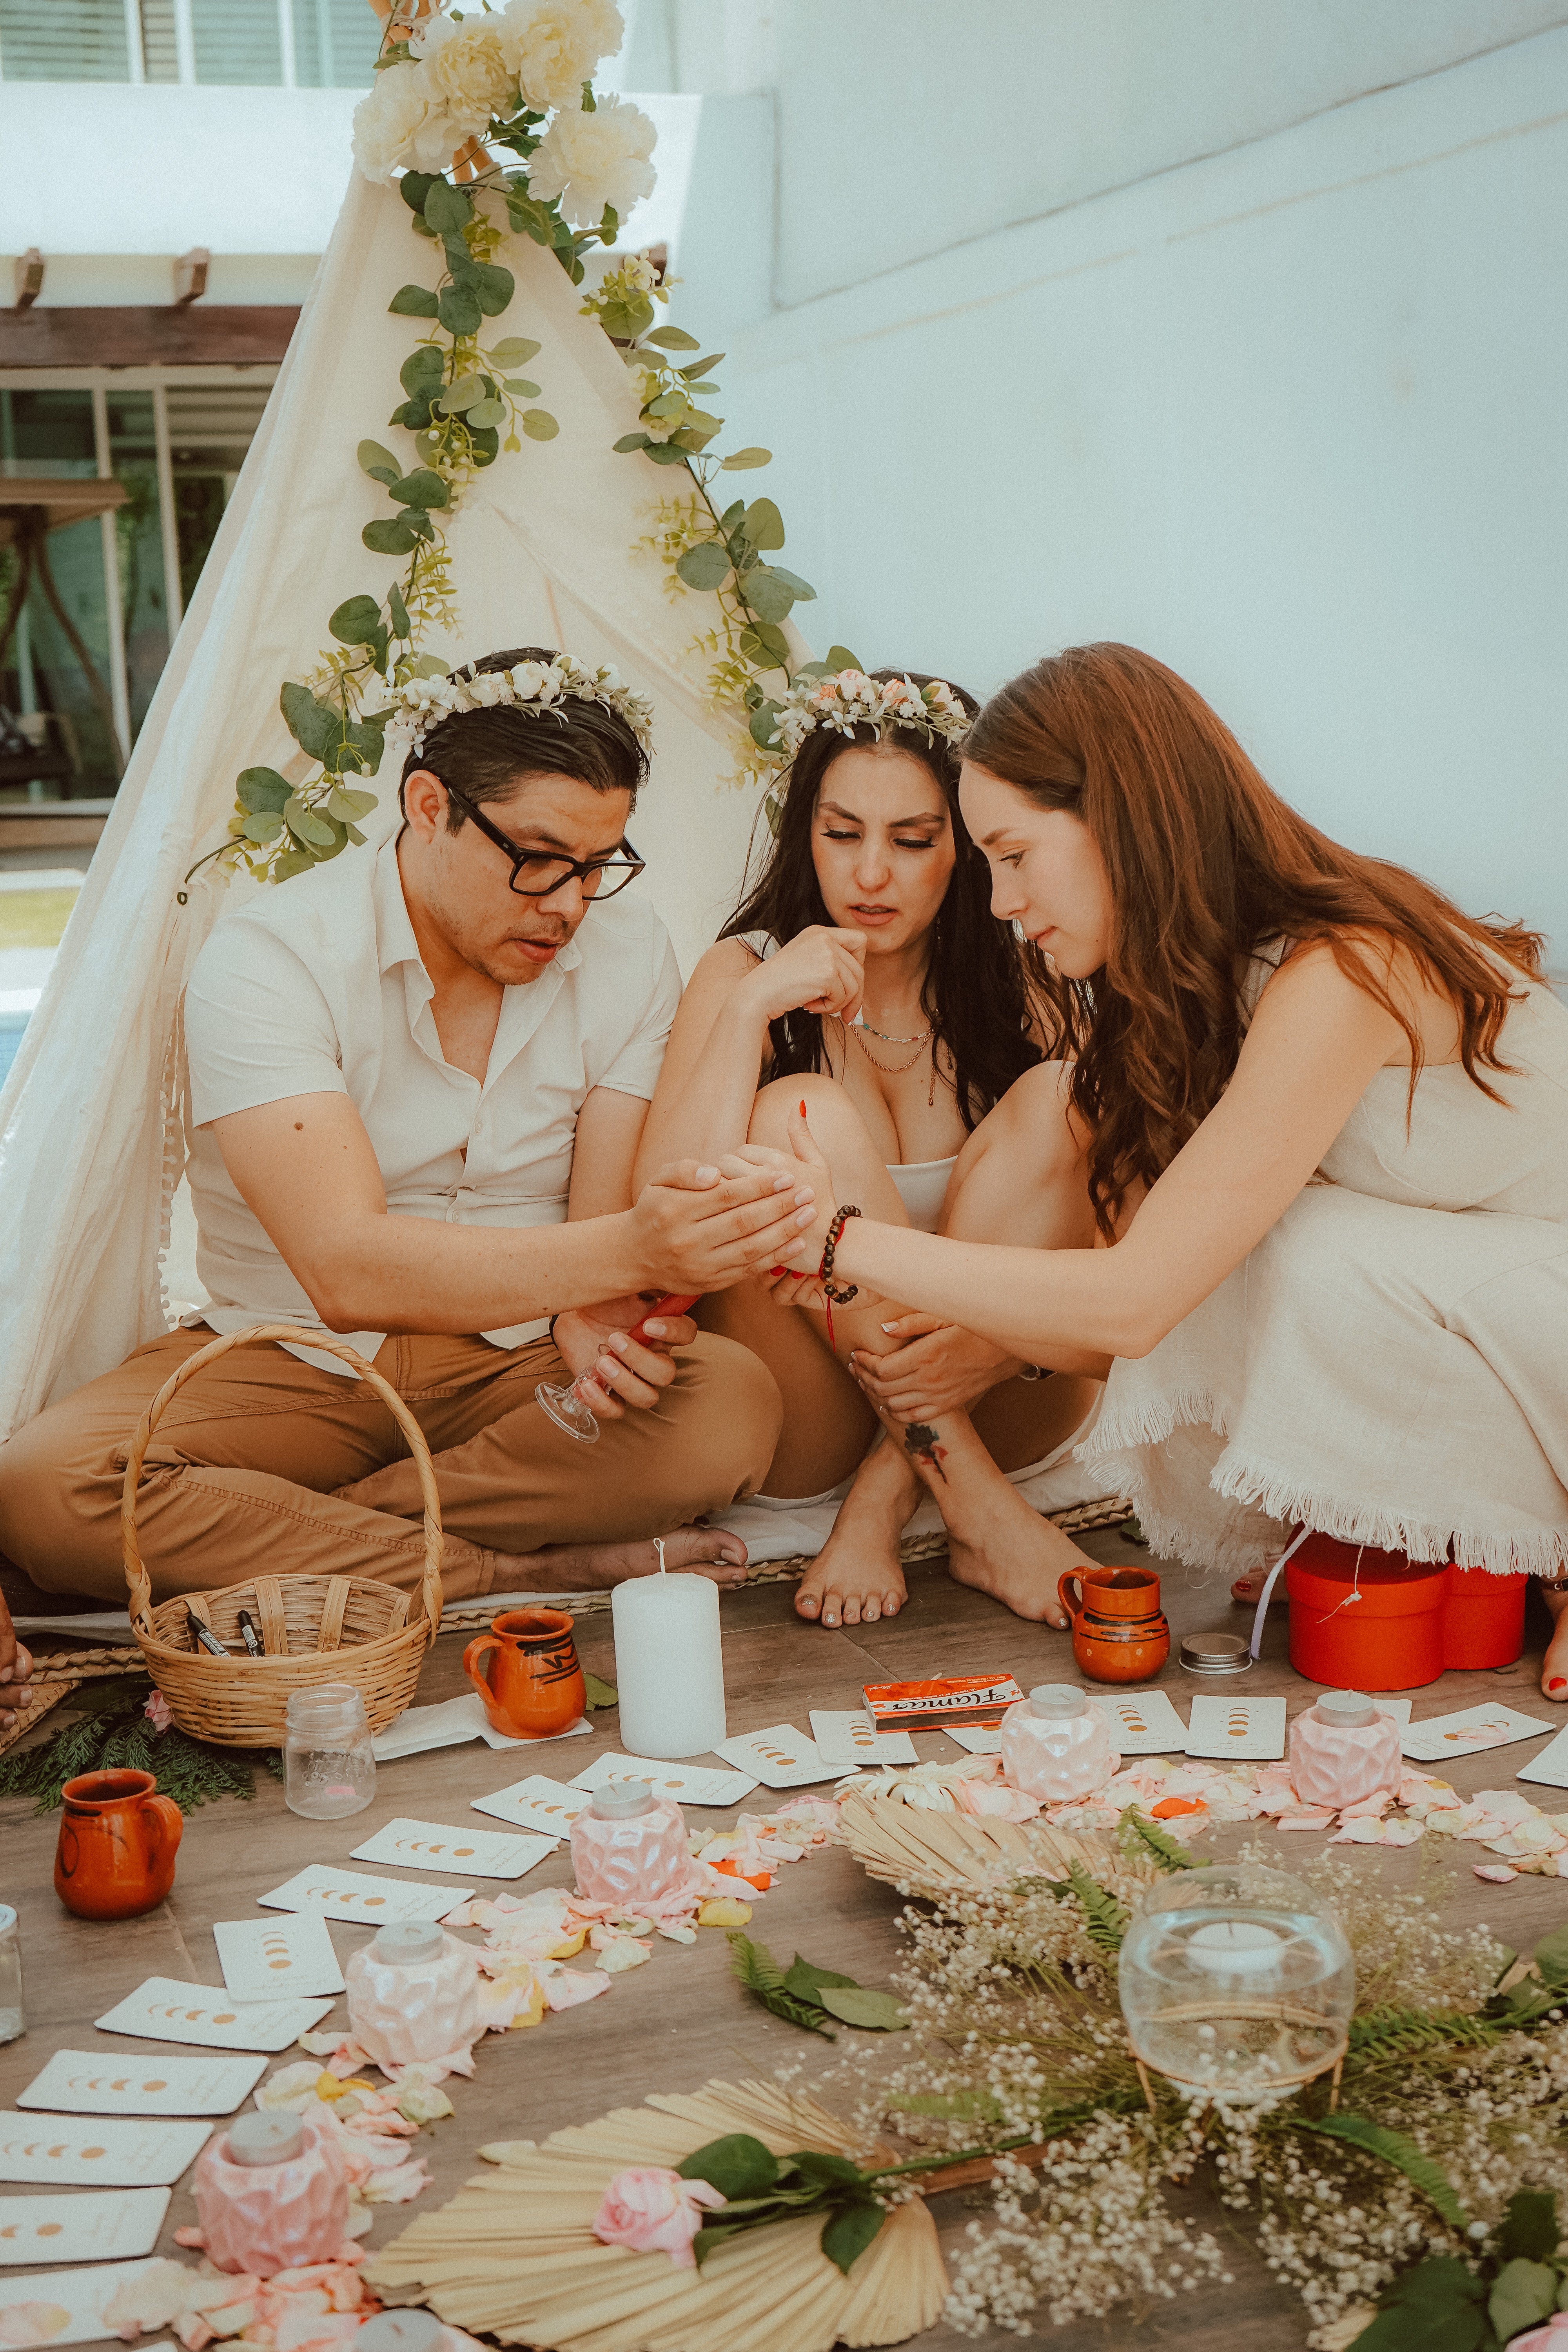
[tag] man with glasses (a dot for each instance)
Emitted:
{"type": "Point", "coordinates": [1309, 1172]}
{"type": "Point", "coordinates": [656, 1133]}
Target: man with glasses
{"type": "Point", "coordinates": [418, 1077]}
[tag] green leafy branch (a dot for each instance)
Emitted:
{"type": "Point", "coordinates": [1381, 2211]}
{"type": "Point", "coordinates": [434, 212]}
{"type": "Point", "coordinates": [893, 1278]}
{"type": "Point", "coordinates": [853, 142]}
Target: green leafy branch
{"type": "Point", "coordinates": [809, 1997]}
{"type": "Point", "coordinates": [759, 2187]}
{"type": "Point", "coordinates": [1441, 2304]}
{"type": "Point", "coordinates": [110, 1732]}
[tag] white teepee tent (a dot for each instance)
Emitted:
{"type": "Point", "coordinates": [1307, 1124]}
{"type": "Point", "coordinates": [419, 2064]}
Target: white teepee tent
{"type": "Point", "coordinates": [90, 1148]}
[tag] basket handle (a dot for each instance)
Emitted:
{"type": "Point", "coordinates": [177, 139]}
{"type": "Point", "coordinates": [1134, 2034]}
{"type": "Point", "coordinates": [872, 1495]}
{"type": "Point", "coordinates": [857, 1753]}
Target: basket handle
{"type": "Point", "coordinates": [140, 1584]}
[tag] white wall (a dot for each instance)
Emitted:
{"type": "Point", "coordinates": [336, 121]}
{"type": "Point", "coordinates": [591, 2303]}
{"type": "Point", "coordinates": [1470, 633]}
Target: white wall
{"type": "Point", "coordinates": [1290, 418]}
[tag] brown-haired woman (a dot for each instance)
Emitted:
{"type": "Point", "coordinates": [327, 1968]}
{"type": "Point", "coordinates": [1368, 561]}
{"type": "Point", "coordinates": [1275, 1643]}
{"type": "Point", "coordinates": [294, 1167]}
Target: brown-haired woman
{"type": "Point", "coordinates": [1322, 1113]}
{"type": "Point", "coordinates": [866, 975]}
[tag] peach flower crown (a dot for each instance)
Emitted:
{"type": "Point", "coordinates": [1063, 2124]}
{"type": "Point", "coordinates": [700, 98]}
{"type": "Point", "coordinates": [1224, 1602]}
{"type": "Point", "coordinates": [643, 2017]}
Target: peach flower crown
{"type": "Point", "coordinates": [539, 687]}
{"type": "Point", "coordinates": [847, 698]}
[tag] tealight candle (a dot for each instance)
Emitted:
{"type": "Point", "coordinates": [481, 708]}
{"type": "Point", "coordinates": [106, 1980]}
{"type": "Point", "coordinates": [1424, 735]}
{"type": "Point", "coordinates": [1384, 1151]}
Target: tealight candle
{"type": "Point", "coordinates": [1343, 1750]}
{"type": "Point", "coordinates": [669, 1665]}
{"type": "Point", "coordinates": [1056, 1744]}
{"type": "Point", "coordinates": [272, 2193]}
{"type": "Point", "coordinates": [630, 1846]}
{"type": "Point", "coordinates": [1235, 1946]}
{"type": "Point", "coordinates": [414, 1992]}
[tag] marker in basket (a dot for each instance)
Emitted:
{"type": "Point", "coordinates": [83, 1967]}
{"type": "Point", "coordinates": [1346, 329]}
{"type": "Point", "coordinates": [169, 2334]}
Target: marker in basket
{"type": "Point", "coordinates": [250, 1636]}
{"type": "Point", "coordinates": [203, 1637]}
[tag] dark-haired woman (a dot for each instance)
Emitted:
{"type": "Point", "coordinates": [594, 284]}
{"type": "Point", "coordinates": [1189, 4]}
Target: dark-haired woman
{"type": "Point", "coordinates": [866, 976]}
{"type": "Point", "coordinates": [1321, 1113]}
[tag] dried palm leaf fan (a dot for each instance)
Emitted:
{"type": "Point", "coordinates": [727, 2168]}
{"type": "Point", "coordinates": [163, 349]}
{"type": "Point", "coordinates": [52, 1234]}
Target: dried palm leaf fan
{"type": "Point", "coordinates": [896, 1833]}
{"type": "Point", "coordinates": [315, 1628]}
{"type": "Point", "coordinates": [514, 2255]}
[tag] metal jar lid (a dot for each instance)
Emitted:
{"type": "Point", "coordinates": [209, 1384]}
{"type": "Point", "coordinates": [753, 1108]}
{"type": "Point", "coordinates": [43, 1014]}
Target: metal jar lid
{"type": "Point", "coordinates": [1215, 1654]}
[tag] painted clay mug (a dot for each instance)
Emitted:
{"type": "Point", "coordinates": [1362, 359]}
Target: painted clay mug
{"type": "Point", "coordinates": [1119, 1632]}
{"type": "Point", "coordinates": [115, 1857]}
{"type": "Point", "coordinates": [526, 1670]}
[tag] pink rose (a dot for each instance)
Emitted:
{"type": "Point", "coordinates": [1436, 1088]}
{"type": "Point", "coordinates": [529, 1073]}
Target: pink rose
{"type": "Point", "coordinates": [157, 1711]}
{"type": "Point", "coordinates": [654, 2211]}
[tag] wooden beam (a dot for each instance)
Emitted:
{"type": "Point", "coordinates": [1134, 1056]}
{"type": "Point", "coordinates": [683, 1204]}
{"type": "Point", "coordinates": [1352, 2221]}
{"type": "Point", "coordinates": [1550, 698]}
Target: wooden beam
{"type": "Point", "coordinates": [235, 335]}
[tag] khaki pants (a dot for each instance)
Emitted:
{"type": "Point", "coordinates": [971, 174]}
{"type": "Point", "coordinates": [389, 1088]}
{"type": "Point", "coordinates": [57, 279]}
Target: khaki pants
{"type": "Point", "coordinates": [265, 1465]}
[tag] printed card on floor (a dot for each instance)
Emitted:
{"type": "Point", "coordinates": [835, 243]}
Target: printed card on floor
{"type": "Point", "coordinates": [81, 2229]}
{"type": "Point", "coordinates": [1550, 1766]}
{"type": "Point", "coordinates": [101, 2153]}
{"type": "Point", "coordinates": [68, 2306]}
{"type": "Point", "coordinates": [420, 1728]}
{"type": "Point", "coordinates": [493, 1739]}
{"type": "Point", "coordinates": [427, 1845]}
{"type": "Point", "coordinates": [546, 1807]}
{"type": "Point", "coordinates": [780, 1757]}
{"type": "Point", "coordinates": [688, 1784]}
{"type": "Point", "coordinates": [980, 1739]}
{"type": "Point", "coordinates": [165, 2010]}
{"type": "Point", "coordinates": [1470, 1732]}
{"type": "Point", "coordinates": [1398, 1708]}
{"type": "Point", "coordinates": [339, 1894]}
{"type": "Point", "coordinates": [1251, 1728]}
{"type": "Point", "coordinates": [850, 1737]}
{"type": "Point", "coordinates": [88, 2083]}
{"type": "Point", "coordinates": [261, 1959]}
{"type": "Point", "coordinates": [1143, 1723]}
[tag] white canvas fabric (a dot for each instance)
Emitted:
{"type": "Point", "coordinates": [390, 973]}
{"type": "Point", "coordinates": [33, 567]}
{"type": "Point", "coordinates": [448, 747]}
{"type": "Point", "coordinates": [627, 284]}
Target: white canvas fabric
{"type": "Point", "coordinates": [90, 1148]}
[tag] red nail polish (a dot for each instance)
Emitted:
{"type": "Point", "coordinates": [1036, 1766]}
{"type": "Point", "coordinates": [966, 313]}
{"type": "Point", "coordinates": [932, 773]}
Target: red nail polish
{"type": "Point", "coordinates": [1558, 1682]}
{"type": "Point", "coordinates": [803, 1110]}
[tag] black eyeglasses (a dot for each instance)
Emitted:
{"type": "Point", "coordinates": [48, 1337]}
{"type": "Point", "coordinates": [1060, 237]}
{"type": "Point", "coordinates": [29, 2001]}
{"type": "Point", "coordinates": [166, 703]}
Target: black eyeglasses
{"type": "Point", "coordinates": [537, 874]}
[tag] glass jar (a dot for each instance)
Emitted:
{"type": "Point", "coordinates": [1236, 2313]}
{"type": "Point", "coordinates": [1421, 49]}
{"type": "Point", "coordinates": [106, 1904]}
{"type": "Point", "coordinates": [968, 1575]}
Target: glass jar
{"type": "Point", "coordinates": [330, 1763]}
{"type": "Point", "coordinates": [13, 2016]}
{"type": "Point", "coordinates": [1236, 1980]}
{"type": "Point", "coordinates": [630, 1846]}
{"type": "Point", "coordinates": [413, 1993]}
{"type": "Point", "coordinates": [1056, 1744]}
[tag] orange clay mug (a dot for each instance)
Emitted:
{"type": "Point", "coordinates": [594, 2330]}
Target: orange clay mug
{"type": "Point", "coordinates": [526, 1670]}
{"type": "Point", "coordinates": [115, 1858]}
{"type": "Point", "coordinates": [1118, 1632]}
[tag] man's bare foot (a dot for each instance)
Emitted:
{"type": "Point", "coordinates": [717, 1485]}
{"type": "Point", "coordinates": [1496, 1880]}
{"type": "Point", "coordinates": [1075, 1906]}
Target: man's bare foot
{"type": "Point", "coordinates": [1010, 1553]}
{"type": "Point", "coordinates": [591, 1567]}
{"type": "Point", "coordinates": [857, 1578]}
{"type": "Point", "coordinates": [1554, 1666]}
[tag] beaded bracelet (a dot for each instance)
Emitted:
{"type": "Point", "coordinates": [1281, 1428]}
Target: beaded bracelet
{"type": "Point", "coordinates": [824, 1273]}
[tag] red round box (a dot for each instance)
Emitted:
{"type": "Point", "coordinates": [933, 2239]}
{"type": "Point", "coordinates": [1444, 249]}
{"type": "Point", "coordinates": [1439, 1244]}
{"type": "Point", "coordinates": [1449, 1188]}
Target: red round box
{"type": "Point", "coordinates": [1373, 1620]}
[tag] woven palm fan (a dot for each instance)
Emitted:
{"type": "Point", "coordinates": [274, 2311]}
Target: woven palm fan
{"type": "Point", "coordinates": [514, 2255]}
{"type": "Point", "coordinates": [893, 1832]}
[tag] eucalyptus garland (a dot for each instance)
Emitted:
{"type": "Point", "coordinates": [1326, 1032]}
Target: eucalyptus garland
{"type": "Point", "coordinates": [467, 405]}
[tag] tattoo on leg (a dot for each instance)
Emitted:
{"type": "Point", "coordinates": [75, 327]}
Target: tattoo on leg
{"type": "Point", "coordinates": [921, 1443]}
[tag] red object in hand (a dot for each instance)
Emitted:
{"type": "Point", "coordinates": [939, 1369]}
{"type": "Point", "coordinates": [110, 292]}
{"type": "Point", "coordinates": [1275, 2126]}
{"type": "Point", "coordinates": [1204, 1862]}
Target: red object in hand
{"type": "Point", "coordinates": [673, 1302]}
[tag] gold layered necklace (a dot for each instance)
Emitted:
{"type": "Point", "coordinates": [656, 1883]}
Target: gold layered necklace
{"type": "Point", "coordinates": [896, 1069]}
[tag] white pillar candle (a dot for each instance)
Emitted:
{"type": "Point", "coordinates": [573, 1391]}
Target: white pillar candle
{"type": "Point", "coordinates": [669, 1665]}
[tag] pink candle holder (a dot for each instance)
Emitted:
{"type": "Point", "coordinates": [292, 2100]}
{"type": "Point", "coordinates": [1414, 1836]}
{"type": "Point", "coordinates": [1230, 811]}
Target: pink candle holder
{"type": "Point", "coordinates": [1343, 1750]}
{"type": "Point", "coordinates": [272, 2193]}
{"type": "Point", "coordinates": [414, 1992]}
{"type": "Point", "coordinates": [1056, 1744]}
{"type": "Point", "coordinates": [630, 1846]}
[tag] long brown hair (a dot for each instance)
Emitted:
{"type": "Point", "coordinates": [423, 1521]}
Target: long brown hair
{"type": "Point", "coordinates": [1205, 864]}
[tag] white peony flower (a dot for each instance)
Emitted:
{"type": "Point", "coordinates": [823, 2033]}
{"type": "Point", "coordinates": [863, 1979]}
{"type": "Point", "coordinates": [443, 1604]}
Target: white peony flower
{"type": "Point", "coordinates": [551, 46]}
{"type": "Point", "coordinates": [402, 121]}
{"type": "Point", "coordinates": [467, 70]}
{"type": "Point", "coordinates": [590, 160]}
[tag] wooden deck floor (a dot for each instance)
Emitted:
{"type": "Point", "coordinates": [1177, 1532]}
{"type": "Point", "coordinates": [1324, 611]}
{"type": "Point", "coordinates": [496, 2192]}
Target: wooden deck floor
{"type": "Point", "coordinates": [675, 2024]}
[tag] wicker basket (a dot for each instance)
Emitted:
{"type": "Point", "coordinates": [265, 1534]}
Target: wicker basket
{"type": "Point", "coordinates": [316, 1629]}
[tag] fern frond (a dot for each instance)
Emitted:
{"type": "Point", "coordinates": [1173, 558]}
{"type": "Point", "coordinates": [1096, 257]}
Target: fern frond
{"type": "Point", "coordinates": [1138, 1835]}
{"type": "Point", "coordinates": [1392, 2147]}
{"type": "Point", "coordinates": [761, 1974]}
{"type": "Point", "coordinates": [1104, 1918]}
{"type": "Point", "coordinates": [1417, 2032]}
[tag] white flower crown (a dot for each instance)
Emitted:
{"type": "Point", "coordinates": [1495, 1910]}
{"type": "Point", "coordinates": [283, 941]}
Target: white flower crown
{"type": "Point", "coordinates": [849, 699]}
{"type": "Point", "coordinates": [537, 687]}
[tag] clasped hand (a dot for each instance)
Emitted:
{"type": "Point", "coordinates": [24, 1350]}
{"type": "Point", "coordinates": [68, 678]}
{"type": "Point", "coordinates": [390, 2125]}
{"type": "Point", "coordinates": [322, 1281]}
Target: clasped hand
{"type": "Point", "coordinates": [819, 971]}
{"type": "Point", "coordinates": [940, 1368]}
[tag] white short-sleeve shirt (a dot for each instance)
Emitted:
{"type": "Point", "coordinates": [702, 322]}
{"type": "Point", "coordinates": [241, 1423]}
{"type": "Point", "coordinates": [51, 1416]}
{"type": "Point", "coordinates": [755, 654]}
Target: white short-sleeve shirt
{"type": "Point", "coordinates": [317, 987]}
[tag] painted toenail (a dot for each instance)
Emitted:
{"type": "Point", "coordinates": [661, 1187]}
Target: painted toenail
{"type": "Point", "coordinates": [1558, 1682]}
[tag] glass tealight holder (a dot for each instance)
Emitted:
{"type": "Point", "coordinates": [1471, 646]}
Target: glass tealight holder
{"type": "Point", "coordinates": [1236, 1980]}
{"type": "Point", "coordinates": [13, 2015]}
{"type": "Point", "coordinates": [330, 1763]}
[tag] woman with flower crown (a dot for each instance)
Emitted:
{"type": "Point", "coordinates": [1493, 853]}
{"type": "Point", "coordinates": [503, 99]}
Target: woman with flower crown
{"type": "Point", "coordinates": [1321, 1113]}
{"type": "Point", "coordinates": [866, 976]}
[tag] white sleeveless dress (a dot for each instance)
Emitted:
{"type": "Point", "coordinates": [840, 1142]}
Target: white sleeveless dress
{"type": "Point", "coordinates": [921, 1183]}
{"type": "Point", "coordinates": [1390, 1365]}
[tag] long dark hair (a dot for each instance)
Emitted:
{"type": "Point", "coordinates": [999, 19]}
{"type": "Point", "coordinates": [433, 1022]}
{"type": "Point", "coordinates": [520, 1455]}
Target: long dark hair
{"type": "Point", "coordinates": [1206, 864]}
{"type": "Point", "coordinates": [978, 992]}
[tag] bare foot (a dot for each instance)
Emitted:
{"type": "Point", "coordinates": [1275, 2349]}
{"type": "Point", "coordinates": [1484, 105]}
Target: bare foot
{"type": "Point", "coordinates": [1010, 1553]}
{"type": "Point", "coordinates": [1554, 1666]}
{"type": "Point", "coordinates": [857, 1578]}
{"type": "Point", "coordinates": [590, 1568]}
